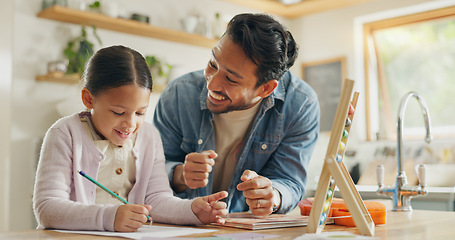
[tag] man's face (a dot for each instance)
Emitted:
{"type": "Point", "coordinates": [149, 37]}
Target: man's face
{"type": "Point", "coordinates": [231, 79]}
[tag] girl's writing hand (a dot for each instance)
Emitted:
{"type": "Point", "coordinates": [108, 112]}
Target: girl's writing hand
{"type": "Point", "coordinates": [130, 217]}
{"type": "Point", "coordinates": [208, 209]}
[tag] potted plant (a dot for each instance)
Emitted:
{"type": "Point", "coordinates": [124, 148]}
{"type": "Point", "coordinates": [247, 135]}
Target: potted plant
{"type": "Point", "coordinates": [79, 50]}
{"type": "Point", "coordinates": [159, 70]}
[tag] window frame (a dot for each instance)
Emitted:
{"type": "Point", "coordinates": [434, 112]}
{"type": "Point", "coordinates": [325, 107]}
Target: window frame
{"type": "Point", "coordinates": [370, 65]}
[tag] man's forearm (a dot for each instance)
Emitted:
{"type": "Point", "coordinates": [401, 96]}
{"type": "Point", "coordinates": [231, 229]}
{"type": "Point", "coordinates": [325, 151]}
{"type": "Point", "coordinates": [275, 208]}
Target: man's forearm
{"type": "Point", "coordinates": [178, 182]}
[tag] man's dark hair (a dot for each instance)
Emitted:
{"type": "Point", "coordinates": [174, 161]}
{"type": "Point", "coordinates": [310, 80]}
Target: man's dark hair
{"type": "Point", "coordinates": [266, 42]}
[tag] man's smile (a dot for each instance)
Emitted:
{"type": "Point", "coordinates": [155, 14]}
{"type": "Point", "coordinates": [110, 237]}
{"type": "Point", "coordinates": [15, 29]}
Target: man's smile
{"type": "Point", "coordinates": [216, 96]}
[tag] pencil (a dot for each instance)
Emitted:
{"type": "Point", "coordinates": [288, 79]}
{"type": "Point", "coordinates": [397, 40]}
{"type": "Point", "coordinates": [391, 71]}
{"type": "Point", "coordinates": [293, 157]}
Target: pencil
{"type": "Point", "coordinates": [106, 189]}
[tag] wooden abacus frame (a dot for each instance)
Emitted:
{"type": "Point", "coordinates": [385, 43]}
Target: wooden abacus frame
{"type": "Point", "coordinates": [334, 172]}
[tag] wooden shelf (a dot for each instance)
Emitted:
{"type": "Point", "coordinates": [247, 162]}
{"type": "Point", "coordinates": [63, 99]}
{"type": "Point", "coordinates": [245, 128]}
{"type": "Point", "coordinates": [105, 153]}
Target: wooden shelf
{"type": "Point", "coordinates": [59, 77]}
{"type": "Point", "coordinates": [68, 15]}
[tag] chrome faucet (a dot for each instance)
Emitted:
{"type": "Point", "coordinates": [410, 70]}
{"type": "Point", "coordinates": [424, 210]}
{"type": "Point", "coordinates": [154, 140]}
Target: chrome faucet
{"type": "Point", "coordinates": [402, 193]}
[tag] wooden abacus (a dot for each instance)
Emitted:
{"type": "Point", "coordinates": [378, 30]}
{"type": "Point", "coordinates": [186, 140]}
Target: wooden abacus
{"type": "Point", "coordinates": [334, 171]}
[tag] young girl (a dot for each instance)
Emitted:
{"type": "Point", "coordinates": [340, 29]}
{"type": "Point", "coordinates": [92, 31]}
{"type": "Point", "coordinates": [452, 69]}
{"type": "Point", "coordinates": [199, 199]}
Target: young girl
{"type": "Point", "coordinates": [112, 143]}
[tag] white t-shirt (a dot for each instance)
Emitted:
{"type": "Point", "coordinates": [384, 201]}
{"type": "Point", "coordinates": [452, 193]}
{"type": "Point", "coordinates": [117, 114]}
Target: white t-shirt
{"type": "Point", "coordinates": [230, 130]}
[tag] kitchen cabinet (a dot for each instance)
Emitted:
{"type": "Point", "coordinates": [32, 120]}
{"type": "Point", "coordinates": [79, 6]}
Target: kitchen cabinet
{"type": "Point", "coordinates": [68, 15]}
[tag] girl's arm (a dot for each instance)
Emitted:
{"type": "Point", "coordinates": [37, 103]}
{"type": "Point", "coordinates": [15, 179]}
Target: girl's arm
{"type": "Point", "coordinates": [56, 202]}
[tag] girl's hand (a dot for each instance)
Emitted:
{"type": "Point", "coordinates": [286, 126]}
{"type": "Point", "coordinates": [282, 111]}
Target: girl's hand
{"type": "Point", "coordinates": [130, 217]}
{"type": "Point", "coordinates": [208, 209]}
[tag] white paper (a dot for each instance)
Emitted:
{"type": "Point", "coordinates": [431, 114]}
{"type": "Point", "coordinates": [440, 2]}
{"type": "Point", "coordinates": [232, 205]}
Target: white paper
{"type": "Point", "coordinates": [147, 231]}
{"type": "Point", "coordinates": [333, 235]}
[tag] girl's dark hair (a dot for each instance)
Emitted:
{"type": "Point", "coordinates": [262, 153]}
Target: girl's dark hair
{"type": "Point", "coordinates": [266, 42]}
{"type": "Point", "coordinates": [116, 66]}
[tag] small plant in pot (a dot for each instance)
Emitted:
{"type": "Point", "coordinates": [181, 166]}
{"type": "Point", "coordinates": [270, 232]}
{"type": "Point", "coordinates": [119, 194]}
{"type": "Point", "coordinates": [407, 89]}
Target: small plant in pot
{"type": "Point", "coordinates": [79, 50]}
{"type": "Point", "coordinates": [160, 72]}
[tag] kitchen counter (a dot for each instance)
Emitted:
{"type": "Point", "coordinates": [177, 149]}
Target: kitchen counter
{"type": "Point", "coordinates": [418, 224]}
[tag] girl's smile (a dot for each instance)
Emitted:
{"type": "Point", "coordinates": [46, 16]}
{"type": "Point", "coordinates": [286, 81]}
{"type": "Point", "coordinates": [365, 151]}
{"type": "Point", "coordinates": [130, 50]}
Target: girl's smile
{"type": "Point", "coordinates": [123, 134]}
{"type": "Point", "coordinates": [118, 113]}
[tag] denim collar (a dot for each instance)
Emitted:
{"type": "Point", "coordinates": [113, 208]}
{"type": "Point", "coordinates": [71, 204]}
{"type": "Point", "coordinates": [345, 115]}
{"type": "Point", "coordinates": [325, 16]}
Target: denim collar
{"type": "Point", "coordinates": [203, 97]}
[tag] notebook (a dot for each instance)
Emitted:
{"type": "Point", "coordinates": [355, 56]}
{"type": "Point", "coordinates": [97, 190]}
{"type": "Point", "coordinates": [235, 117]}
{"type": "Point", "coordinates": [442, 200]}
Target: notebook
{"type": "Point", "coordinates": [252, 222]}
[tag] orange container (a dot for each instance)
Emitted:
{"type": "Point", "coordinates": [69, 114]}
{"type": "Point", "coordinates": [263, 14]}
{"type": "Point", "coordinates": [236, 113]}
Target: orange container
{"type": "Point", "coordinates": [338, 208]}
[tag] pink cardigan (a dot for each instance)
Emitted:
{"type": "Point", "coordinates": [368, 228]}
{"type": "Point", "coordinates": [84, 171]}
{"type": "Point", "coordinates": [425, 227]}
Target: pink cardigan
{"type": "Point", "coordinates": [65, 200]}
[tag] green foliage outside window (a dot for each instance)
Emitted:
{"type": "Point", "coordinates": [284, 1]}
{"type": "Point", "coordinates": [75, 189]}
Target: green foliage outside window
{"type": "Point", "coordinates": [418, 57]}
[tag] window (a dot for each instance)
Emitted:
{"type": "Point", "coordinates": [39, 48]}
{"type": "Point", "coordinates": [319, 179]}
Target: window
{"type": "Point", "coordinates": [411, 53]}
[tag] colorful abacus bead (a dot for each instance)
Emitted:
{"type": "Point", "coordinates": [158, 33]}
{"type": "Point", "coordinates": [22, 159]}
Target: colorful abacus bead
{"type": "Point", "coordinates": [348, 122]}
{"type": "Point", "coordinates": [326, 206]}
{"type": "Point", "coordinates": [323, 217]}
{"type": "Point", "coordinates": [345, 133]}
{"type": "Point", "coordinates": [342, 146]}
{"type": "Point", "coordinates": [339, 158]}
{"type": "Point", "coordinates": [329, 194]}
{"type": "Point", "coordinates": [351, 110]}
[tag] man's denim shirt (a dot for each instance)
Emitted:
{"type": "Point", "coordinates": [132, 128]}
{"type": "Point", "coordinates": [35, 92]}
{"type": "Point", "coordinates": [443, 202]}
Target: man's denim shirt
{"type": "Point", "coordinates": [278, 145]}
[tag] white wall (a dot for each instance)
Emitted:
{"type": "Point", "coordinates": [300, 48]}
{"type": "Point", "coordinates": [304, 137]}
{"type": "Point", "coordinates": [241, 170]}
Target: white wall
{"type": "Point", "coordinates": [6, 56]}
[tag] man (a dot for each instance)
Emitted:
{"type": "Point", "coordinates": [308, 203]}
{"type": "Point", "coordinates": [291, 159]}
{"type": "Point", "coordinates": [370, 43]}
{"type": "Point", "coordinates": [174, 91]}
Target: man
{"type": "Point", "coordinates": [245, 124]}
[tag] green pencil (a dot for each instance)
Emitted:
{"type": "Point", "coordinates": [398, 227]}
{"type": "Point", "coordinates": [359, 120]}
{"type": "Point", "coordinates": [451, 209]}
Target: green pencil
{"type": "Point", "coordinates": [106, 189]}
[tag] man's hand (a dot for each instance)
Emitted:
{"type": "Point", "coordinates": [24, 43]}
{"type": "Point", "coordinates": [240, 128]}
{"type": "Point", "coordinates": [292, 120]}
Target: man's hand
{"type": "Point", "coordinates": [194, 173]}
{"type": "Point", "coordinates": [258, 192]}
{"type": "Point", "coordinates": [130, 217]}
{"type": "Point", "coordinates": [208, 209]}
